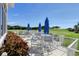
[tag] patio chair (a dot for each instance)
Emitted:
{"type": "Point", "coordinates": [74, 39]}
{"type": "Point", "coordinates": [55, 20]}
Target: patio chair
{"type": "Point", "coordinates": [48, 43]}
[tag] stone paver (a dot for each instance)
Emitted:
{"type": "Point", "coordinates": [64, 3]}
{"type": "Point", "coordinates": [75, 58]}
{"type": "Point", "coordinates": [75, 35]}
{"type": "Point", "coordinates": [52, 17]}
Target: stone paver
{"type": "Point", "coordinates": [60, 51]}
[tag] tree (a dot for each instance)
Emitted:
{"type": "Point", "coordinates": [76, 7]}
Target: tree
{"type": "Point", "coordinates": [55, 27]}
{"type": "Point", "coordinates": [76, 28]}
{"type": "Point", "coordinates": [70, 29]}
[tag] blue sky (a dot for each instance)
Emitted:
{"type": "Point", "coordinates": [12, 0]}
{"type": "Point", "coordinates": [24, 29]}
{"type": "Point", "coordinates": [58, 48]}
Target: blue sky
{"type": "Point", "coordinates": [63, 15]}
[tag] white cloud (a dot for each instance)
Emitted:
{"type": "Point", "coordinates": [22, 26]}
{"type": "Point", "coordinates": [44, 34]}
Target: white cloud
{"type": "Point", "coordinates": [11, 23]}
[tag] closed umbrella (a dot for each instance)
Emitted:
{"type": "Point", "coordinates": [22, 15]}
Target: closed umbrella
{"type": "Point", "coordinates": [39, 28]}
{"type": "Point", "coordinates": [28, 27]}
{"type": "Point", "coordinates": [46, 26]}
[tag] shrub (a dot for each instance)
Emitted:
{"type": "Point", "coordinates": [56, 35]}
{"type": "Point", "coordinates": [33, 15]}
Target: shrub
{"type": "Point", "coordinates": [70, 29]}
{"type": "Point", "coordinates": [15, 46]}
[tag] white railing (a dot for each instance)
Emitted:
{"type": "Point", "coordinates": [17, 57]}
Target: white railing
{"type": "Point", "coordinates": [72, 48]}
{"type": "Point", "coordinates": [2, 39]}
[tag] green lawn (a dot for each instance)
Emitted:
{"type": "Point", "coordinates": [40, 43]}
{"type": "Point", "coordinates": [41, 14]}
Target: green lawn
{"type": "Point", "coordinates": [67, 42]}
{"type": "Point", "coordinates": [64, 32]}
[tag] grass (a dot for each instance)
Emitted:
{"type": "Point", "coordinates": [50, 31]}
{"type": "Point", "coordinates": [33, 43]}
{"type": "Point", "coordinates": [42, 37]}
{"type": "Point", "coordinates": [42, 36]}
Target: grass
{"type": "Point", "coordinates": [67, 42]}
{"type": "Point", "coordinates": [77, 53]}
{"type": "Point", "coordinates": [65, 32]}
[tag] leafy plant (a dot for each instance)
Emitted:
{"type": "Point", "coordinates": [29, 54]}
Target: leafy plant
{"type": "Point", "coordinates": [15, 46]}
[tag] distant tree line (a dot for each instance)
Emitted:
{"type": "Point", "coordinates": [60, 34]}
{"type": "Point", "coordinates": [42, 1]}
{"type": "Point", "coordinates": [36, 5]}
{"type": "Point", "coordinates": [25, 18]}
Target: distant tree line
{"type": "Point", "coordinates": [16, 27]}
{"type": "Point", "coordinates": [24, 28]}
{"type": "Point", "coordinates": [70, 29]}
{"type": "Point", "coordinates": [21, 27]}
{"type": "Point", "coordinates": [75, 28]}
{"type": "Point", "coordinates": [57, 27]}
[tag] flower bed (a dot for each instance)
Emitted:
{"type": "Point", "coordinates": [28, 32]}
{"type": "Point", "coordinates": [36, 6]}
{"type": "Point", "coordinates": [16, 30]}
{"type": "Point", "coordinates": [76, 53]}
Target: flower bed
{"type": "Point", "coordinates": [14, 45]}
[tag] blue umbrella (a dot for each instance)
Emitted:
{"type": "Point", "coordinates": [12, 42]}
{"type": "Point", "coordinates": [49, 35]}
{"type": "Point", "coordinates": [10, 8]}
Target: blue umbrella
{"type": "Point", "coordinates": [28, 27]}
{"type": "Point", "coordinates": [46, 26]}
{"type": "Point", "coordinates": [39, 28]}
